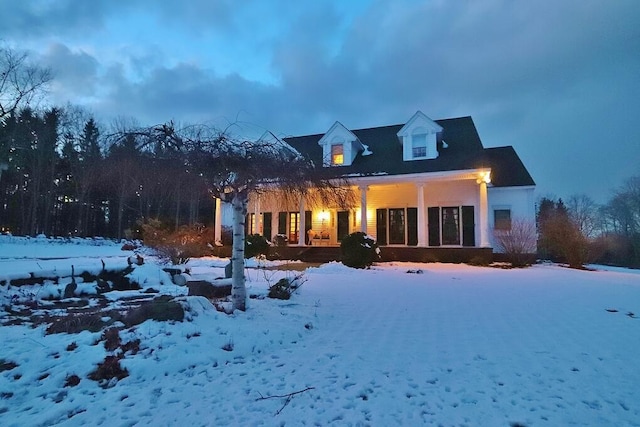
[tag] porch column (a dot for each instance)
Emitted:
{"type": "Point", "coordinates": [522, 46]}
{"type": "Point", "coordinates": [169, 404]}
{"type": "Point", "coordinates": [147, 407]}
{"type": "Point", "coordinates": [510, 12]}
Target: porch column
{"type": "Point", "coordinates": [302, 238]}
{"type": "Point", "coordinates": [422, 223]}
{"type": "Point", "coordinates": [363, 208]}
{"type": "Point", "coordinates": [217, 231]}
{"type": "Point", "coordinates": [256, 216]}
{"type": "Point", "coordinates": [484, 215]}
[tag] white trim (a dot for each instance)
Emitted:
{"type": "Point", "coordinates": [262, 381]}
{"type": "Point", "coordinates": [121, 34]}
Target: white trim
{"type": "Point", "coordinates": [423, 177]}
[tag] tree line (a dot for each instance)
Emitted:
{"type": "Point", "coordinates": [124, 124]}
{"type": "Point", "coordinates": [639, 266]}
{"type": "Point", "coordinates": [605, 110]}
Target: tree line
{"type": "Point", "coordinates": [65, 175]}
{"type": "Point", "coordinates": [580, 230]}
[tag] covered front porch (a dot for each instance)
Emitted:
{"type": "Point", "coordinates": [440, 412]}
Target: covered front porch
{"type": "Point", "coordinates": [429, 210]}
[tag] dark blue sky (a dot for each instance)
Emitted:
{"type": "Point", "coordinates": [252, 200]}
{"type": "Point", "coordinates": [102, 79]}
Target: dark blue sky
{"type": "Point", "coordinates": [559, 80]}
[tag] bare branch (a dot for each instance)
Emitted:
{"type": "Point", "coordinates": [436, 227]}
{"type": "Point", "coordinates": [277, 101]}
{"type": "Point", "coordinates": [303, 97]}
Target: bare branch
{"type": "Point", "coordinates": [20, 81]}
{"type": "Point", "coordinates": [287, 396]}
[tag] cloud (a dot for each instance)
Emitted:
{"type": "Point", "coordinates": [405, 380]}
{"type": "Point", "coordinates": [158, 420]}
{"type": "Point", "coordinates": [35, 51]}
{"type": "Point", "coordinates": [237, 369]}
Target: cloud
{"type": "Point", "coordinates": [555, 79]}
{"type": "Point", "coordinates": [75, 72]}
{"type": "Point", "coordinates": [28, 20]}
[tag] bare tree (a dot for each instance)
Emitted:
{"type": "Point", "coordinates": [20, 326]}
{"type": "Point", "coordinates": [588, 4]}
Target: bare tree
{"type": "Point", "coordinates": [20, 81]}
{"type": "Point", "coordinates": [234, 167]}
{"type": "Point", "coordinates": [583, 211]}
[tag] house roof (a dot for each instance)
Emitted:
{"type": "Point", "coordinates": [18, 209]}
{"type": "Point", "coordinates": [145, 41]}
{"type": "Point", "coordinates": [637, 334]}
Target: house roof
{"type": "Point", "coordinates": [464, 151]}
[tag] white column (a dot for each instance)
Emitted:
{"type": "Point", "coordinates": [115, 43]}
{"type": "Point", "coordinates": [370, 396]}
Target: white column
{"type": "Point", "coordinates": [422, 223]}
{"type": "Point", "coordinates": [256, 216]}
{"type": "Point", "coordinates": [363, 208]}
{"type": "Point", "coordinates": [302, 238]}
{"type": "Point", "coordinates": [217, 232]}
{"type": "Point", "coordinates": [484, 216]}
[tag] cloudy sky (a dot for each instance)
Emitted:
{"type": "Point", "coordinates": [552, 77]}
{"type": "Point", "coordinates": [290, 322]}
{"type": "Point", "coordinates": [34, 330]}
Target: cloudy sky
{"type": "Point", "coordinates": [557, 79]}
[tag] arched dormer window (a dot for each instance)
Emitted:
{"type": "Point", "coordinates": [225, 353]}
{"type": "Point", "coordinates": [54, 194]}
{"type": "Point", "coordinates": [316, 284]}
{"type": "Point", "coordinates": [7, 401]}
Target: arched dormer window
{"type": "Point", "coordinates": [419, 138]}
{"type": "Point", "coordinates": [419, 143]}
{"type": "Point", "coordinates": [339, 146]}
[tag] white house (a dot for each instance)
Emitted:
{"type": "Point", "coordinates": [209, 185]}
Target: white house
{"type": "Point", "coordinates": [425, 183]}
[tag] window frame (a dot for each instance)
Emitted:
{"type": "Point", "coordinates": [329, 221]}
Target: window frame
{"type": "Point", "coordinates": [458, 222]}
{"type": "Point", "coordinates": [337, 158]}
{"type": "Point", "coordinates": [422, 147]}
{"type": "Point", "coordinates": [502, 224]}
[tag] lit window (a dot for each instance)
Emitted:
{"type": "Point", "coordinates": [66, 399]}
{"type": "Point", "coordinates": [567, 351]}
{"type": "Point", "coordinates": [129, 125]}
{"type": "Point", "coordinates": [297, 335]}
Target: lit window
{"type": "Point", "coordinates": [337, 155]}
{"type": "Point", "coordinates": [502, 219]}
{"type": "Point", "coordinates": [419, 145]}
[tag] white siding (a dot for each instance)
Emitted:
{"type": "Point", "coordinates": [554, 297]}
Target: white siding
{"type": "Point", "coordinates": [520, 200]}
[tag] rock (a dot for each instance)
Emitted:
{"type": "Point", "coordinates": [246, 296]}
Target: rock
{"type": "Point", "coordinates": [179, 279]}
{"type": "Point", "coordinates": [220, 289]}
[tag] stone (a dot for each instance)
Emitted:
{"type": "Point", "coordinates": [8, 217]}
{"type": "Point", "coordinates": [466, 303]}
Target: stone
{"type": "Point", "coordinates": [202, 288]}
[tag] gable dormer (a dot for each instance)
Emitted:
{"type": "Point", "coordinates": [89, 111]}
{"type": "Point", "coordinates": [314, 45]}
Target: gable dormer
{"type": "Point", "coordinates": [419, 137]}
{"type": "Point", "coordinates": [339, 146]}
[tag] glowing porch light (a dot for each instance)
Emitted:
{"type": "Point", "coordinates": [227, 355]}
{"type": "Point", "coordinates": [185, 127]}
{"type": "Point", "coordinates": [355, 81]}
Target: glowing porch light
{"type": "Point", "coordinates": [484, 177]}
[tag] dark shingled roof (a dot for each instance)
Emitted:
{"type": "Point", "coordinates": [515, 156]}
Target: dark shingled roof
{"type": "Point", "coordinates": [464, 151]}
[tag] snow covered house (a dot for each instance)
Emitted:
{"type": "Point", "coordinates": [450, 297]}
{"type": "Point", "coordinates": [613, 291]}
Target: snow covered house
{"type": "Point", "coordinates": [422, 184]}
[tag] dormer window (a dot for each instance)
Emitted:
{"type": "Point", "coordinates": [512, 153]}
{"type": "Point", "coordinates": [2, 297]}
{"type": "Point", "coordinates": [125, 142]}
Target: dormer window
{"type": "Point", "coordinates": [340, 146]}
{"type": "Point", "coordinates": [419, 145]}
{"type": "Point", "coordinates": [337, 154]}
{"type": "Point", "coordinates": [419, 137]}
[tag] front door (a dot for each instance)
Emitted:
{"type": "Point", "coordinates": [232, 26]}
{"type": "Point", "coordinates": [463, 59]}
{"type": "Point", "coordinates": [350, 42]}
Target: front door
{"type": "Point", "coordinates": [343, 224]}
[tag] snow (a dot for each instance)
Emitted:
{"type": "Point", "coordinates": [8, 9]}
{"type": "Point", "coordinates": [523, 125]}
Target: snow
{"type": "Point", "coordinates": [456, 345]}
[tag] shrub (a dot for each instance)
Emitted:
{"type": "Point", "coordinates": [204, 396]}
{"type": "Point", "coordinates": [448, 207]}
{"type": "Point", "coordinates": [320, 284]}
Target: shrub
{"type": "Point", "coordinates": [517, 243]}
{"type": "Point", "coordinates": [285, 287]}
{"type": "Point", "coordinates": [254, 245]}
{"type": "Point", "coordinates": [359, 250]}
{"type": "Point", "coordinates": [563, 238]}
{"type": "Point", "coordinates": [160, 309]}
{"type": "Point", "coordinates": [280, 240]}
{"type": "Point", "coordinates": [108, 370]}
{"type": "Point", "coordinates": [179, 245]}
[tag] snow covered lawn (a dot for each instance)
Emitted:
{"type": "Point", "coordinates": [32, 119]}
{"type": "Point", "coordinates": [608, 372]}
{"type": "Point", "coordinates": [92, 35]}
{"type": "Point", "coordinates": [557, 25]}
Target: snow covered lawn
{"type": "Point", "coordinates": [446, 345]}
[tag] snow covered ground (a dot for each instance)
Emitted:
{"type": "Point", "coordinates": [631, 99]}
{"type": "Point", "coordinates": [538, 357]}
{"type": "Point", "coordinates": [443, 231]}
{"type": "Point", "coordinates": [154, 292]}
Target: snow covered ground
{"type": "Point", "coordinates": [449, 345]}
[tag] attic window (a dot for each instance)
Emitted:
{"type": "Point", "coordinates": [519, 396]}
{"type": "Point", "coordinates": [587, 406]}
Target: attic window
{"type": "Point", "coordinates": [337, 154]}
{"type": "Point", "coordinates": [419, 145]}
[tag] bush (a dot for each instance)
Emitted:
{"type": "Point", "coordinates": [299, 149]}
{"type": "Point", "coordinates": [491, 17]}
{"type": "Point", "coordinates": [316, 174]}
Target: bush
{"type": "Point", "coordinates": [517, 243]}
{"type": "Point", "coordinates": [280, 240]}
{"type": "Point", "coordinates": [254, 245]}
{"type": "Point", "coordinates": [561, 237]}
{"type": "Point", "coordinates": [160, 309]}
{"type": "Point", "coordinates": [179, 245]}
{"type": "Point", "coordinates": [285, 287]}
{"type": "Point", "coordinates": [359, 250]}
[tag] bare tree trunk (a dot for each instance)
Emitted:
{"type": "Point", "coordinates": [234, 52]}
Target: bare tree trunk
{"type": "Point", "coordinates": [238, 289]}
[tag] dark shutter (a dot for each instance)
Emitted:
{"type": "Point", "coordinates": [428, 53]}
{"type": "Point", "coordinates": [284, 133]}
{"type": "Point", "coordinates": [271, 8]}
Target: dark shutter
{"type": "Point", "coordinates": [468, 226]}
{"type": "Point", "coordinates": [282, 223]}
{"type": "Point", "coordinates": [247, 220]}
{"type": "Point", "coordinates": [434, 226]}
{"type": "Point", "coordinates": [412, 226]}
{"type": "Point", "coordinates": [266, 225]}
{"type": "Point", "coordinates": [381, 226]}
